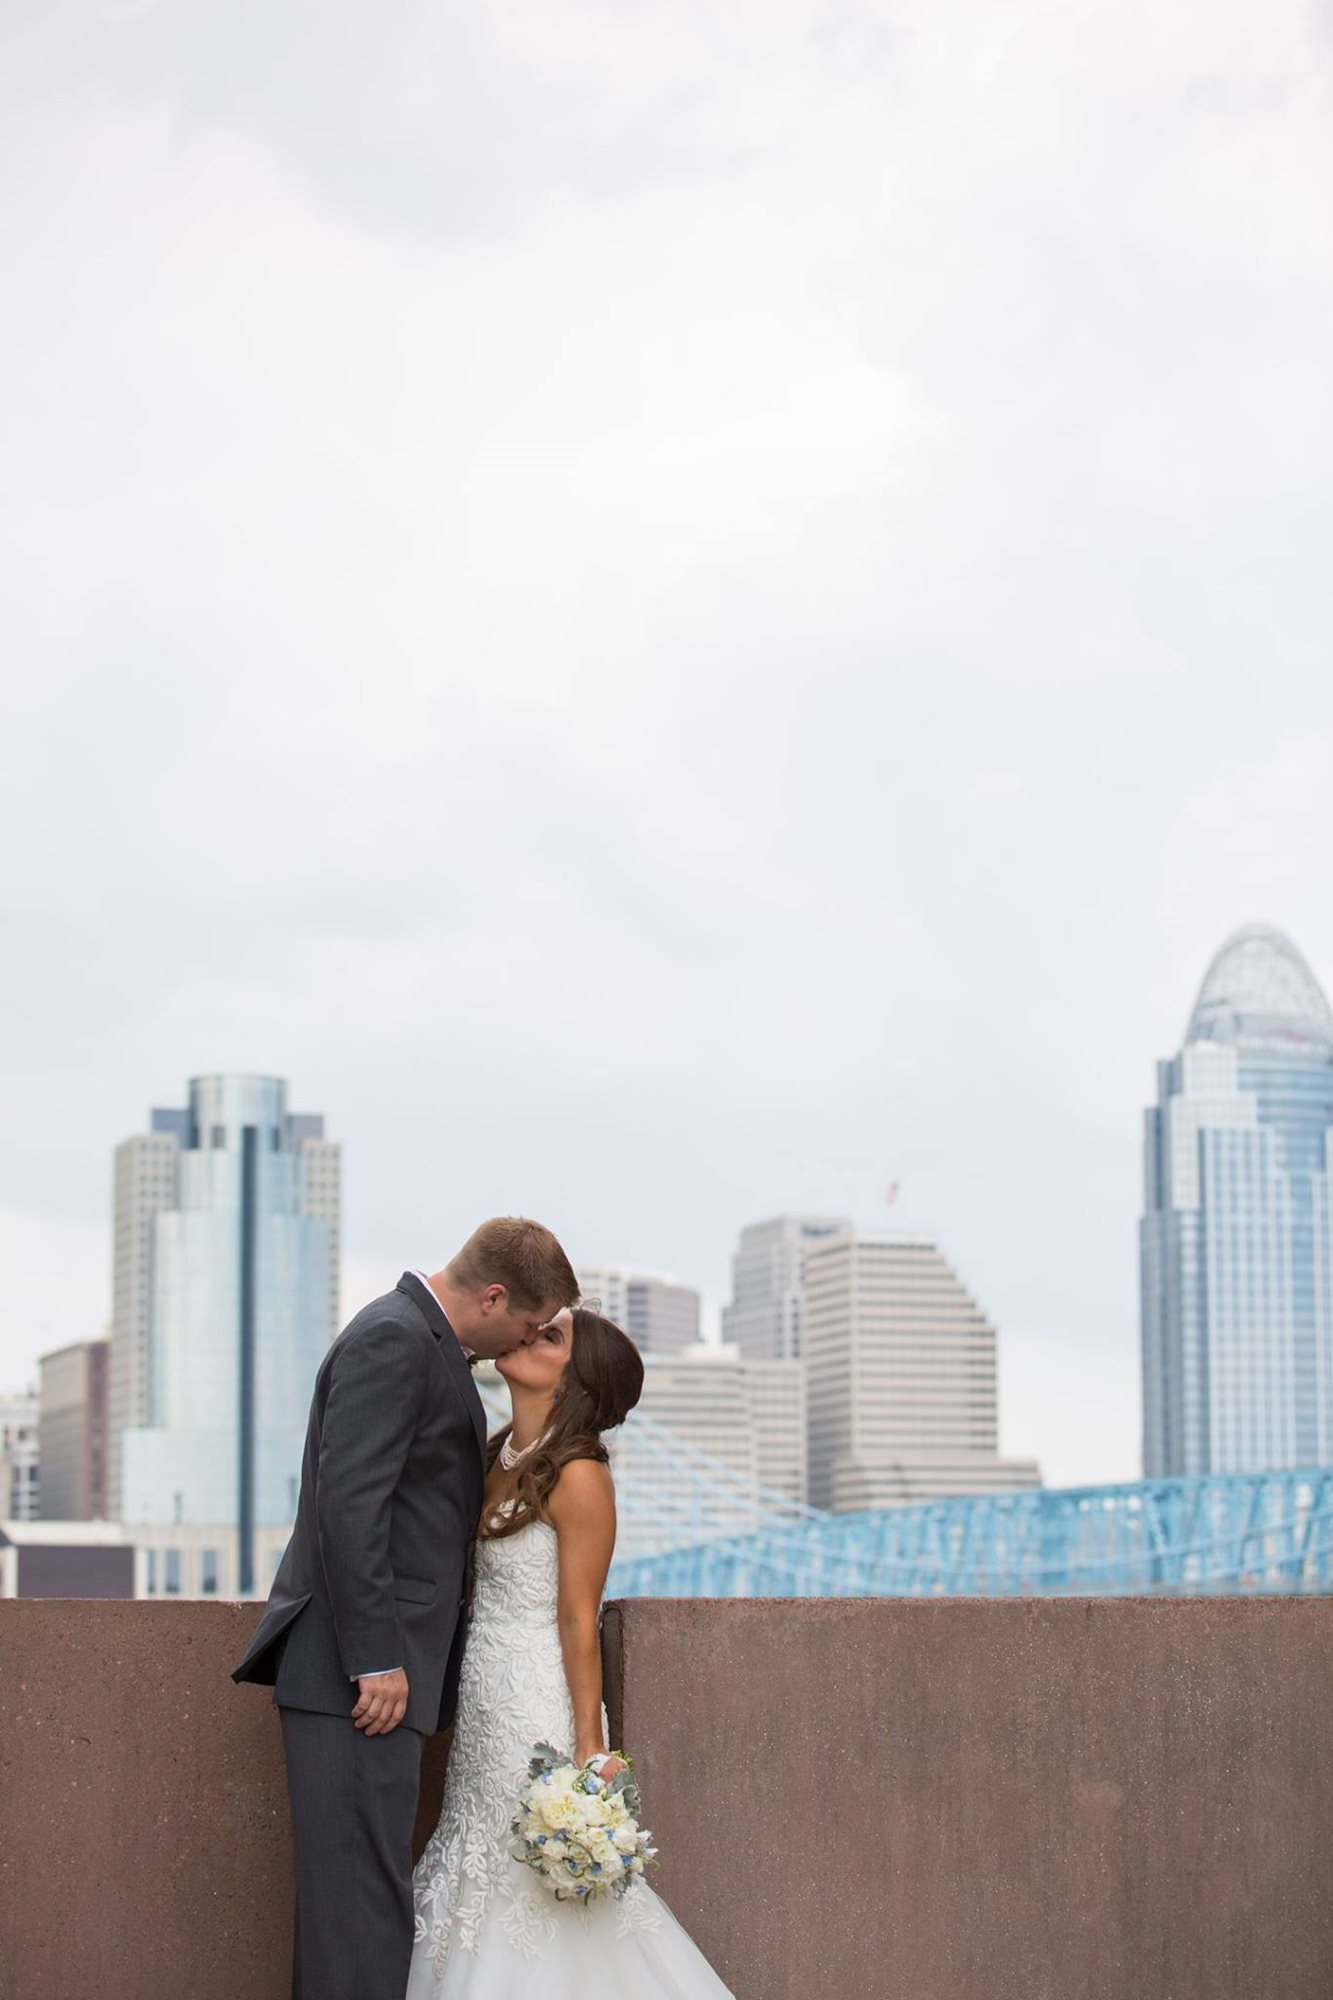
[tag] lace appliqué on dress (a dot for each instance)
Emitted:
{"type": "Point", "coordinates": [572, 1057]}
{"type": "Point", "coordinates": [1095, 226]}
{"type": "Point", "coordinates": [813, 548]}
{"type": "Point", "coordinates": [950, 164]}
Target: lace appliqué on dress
{"type": "Point", "coordinates": [512, 1694]}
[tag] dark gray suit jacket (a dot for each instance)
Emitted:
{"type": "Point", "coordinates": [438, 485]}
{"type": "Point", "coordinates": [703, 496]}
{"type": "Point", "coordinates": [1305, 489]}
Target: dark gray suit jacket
{"type": "Point", "coordinates": [375, 1574]}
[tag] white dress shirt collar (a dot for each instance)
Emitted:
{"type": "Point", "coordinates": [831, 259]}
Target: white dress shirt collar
{"type": "Point", "coordinates": [467, 1351]}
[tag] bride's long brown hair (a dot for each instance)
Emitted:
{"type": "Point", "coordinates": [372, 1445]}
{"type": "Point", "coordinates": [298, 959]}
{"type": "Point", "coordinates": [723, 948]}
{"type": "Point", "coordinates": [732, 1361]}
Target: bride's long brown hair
{"type": "Point", "coordinates": [602, 1382]}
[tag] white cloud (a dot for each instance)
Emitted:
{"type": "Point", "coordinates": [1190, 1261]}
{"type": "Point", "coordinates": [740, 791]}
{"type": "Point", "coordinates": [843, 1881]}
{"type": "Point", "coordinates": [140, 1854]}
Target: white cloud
{"type": "Point", "coordinates": [674, 612]}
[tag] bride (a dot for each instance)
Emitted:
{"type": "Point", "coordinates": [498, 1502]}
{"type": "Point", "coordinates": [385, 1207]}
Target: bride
{"type": "Point", "coordinates": [532, 1673]}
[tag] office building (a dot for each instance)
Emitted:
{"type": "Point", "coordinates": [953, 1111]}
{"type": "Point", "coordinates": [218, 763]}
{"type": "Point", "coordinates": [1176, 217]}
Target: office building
{"type": "Point", "coordinates": [20, 1479]}
{"type": "Point", "coordinates": [764, 1316]}
{"type": "Point", "coordinates": [777, 1399]}
{"type": "Point", "coordinates": [226, 1296]}
{"type": "Point", "coordinates": [703, 1399]}
{"type": "Point", "coordinates": [603, 1288]}
{"type": "Point", "coordinates": [901, 1377]}
{"type": "Point", "coordinates": [693, 1419]}
{"type": "Point", "coordinates": [73, 1432]}
{"type": "Point", "coordinates": [659, 1316]}
{"type": "Point", "coordinates": [144, 1187]}
{"type": "Point", "coordinates": [1236, 1257]}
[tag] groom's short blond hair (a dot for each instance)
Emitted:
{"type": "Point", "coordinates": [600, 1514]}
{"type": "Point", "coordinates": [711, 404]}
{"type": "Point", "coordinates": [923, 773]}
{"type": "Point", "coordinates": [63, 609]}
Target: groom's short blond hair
{"type": "Point", "coordinates": [522, 1256]}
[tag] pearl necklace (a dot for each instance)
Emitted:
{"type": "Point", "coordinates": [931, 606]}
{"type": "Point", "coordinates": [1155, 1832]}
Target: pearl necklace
{"type": "Point", "coordinates": [509, 1458]}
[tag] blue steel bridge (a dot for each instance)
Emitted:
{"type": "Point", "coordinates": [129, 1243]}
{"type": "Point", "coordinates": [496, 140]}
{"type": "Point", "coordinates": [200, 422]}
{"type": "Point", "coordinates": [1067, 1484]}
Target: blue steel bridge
{"type": "Point", "coordinates": [706, 1535]}
{"type": "Point", "coordinates": [691, 1527]}
{"type": "Point", "coordinates": [1237, 1535]}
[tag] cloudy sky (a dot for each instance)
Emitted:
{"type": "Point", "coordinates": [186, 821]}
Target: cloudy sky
{"type": "Point", "coordinates": [675, 611]}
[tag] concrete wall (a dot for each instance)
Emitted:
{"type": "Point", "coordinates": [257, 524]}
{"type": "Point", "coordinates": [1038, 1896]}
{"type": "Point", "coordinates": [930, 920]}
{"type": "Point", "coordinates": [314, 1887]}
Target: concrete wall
{"type": "Point", "coordinates": [1032, 1800]}
{"type": "Point", "coordinates": [920, 1801]}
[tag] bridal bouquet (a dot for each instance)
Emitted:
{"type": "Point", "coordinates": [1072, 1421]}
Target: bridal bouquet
{"type": "Point", "coordinates": [579, 1834]}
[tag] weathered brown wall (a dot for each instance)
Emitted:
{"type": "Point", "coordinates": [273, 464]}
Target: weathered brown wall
{"type": "Point", "coordinates": [143, 1816]}
{"type": "Point", "coordinates": [920, 1801]}
{"type": "Point", "coordinates": [1034, 1800]}
{"type": "Point", "coordinates": [143, 1837]}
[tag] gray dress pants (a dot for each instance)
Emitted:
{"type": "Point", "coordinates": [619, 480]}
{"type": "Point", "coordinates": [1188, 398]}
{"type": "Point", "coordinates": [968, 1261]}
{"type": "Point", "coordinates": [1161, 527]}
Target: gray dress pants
{"type": "Point", "coordinates": [353, 1802]}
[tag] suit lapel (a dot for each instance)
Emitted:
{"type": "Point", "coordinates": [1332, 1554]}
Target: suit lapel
{"type": "Point", "coordinates": [452, 1355]}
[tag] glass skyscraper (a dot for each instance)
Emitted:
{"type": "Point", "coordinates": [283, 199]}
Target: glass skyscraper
{"type": "Point", "coordinates": [227, 1225]}
{"type": "Point", "coordinates": [1236, 1256]}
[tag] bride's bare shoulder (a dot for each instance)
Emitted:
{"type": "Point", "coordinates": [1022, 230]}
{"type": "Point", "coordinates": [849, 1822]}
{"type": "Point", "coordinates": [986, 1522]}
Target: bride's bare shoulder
{"type": "Point", "coordinates": [584, 1491]}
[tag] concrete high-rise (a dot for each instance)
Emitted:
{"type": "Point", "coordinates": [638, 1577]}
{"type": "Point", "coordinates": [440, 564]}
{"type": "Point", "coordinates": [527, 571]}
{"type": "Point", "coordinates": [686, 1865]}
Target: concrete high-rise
{"type": "Point", "coordinates": [72, 1426]}
{"type": "Point", "coordinates": [764, 1317]}
{"type": "Point", "coordinates": [901, 1377]}
{"type": "Point", "coordinates": [659, 1316]}
{"type": "Point", "coordinates": [702, 1398]}
{"type": "Point", "coordinates": [698, 1410]}
{"type": "Point", "coordinates": [144, 1187]}
{"type": "Point", "coordinates": [1236, 1257]}
{"type": "Point", "coordinates": [776, 1392]}
{"type": "Point", "coordinates": [226, 1296]}
{"type": "Point", "coordinates": [20, 1464]}
{"type": "Point", "coordinates": [603, 1286]}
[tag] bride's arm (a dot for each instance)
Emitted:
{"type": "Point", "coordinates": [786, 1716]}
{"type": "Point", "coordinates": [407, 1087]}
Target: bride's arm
{"type": "Point", "coordinates": [583, 1514]}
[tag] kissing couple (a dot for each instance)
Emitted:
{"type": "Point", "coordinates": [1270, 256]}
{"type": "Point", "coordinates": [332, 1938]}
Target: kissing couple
{"type": "Point", "coordinates": [435, 1578]}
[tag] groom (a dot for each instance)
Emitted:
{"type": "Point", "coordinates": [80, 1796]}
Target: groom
{"type": "Point", "coordinates": [362, 1639]}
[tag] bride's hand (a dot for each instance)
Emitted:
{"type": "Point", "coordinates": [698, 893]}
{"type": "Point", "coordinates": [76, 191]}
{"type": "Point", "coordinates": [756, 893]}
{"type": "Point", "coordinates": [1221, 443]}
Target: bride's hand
{"type": "Point", "coordinates": [609, 1766]}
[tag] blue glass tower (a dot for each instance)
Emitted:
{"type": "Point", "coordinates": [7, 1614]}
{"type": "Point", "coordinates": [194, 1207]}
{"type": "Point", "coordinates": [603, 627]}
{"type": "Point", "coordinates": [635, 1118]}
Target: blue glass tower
{"type": "Point", "coordinates": [1236, 1254]}
{"type": "Point", "coordinates": [227, 1228]}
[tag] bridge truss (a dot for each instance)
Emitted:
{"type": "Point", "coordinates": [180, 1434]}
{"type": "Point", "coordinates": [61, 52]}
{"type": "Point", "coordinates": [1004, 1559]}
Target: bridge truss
{"type": "Point", "coordinates": [690, 1527]}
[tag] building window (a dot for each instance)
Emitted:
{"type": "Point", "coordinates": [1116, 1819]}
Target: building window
{"type": "Point", "coordinates": [208, 1572]}
{"type": "Point", "coordinates": [173, 1573]}
{"type": "Point", "coordinates": [150, 1572]}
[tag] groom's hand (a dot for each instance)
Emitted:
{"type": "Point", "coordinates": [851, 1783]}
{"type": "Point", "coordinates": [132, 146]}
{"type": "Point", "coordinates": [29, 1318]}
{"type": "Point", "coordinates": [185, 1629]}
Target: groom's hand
{"type": "Point", "coordinates": [383, 1702]}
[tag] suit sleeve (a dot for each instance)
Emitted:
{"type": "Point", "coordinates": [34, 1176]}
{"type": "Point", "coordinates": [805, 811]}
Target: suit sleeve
{"type": "Point", "coordinates": [376, 1391]}
{"type": "Point", "coordinates": [453, 1671]}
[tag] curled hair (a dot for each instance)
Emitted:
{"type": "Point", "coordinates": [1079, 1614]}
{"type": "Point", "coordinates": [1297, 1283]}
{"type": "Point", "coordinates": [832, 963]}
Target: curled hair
{"type": "Point", "coordinates": [602, 1382]}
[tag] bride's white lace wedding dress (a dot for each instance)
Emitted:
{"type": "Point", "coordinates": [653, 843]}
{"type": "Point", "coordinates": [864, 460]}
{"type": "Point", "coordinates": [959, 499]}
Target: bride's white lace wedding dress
{"type": "Point", "coordinates": [486, 1929]}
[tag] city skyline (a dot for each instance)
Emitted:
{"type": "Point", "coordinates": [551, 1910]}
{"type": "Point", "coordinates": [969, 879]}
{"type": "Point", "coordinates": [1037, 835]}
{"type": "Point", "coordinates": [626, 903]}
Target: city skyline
{"type": "Point", "coordinates": [897, 1368]}
{"type": "Point", "coordinates": [1034, 1418]}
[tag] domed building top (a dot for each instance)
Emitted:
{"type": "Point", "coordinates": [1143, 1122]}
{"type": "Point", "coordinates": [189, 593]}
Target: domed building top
{"type": "Point", "coordinates": [1259, 989]}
